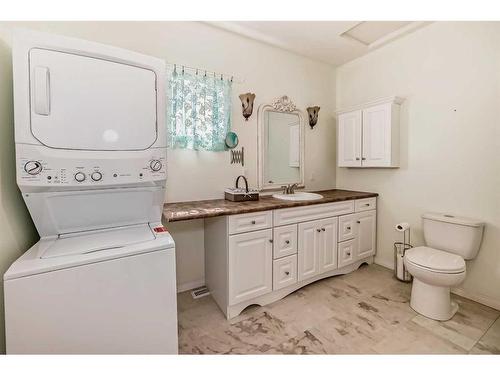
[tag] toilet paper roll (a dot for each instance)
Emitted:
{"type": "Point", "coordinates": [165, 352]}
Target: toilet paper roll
{"type": "Point", "coordinates": [401, 227]}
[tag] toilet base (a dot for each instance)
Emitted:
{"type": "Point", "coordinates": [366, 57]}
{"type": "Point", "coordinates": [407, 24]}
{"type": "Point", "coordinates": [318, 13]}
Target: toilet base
{"type": "Point", "coordinates": [432, 301]}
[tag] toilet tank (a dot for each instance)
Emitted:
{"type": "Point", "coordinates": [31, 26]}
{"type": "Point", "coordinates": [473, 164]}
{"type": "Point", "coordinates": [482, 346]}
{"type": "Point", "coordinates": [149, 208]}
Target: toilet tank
{"type": "Point", "coordinates": [454, 234]}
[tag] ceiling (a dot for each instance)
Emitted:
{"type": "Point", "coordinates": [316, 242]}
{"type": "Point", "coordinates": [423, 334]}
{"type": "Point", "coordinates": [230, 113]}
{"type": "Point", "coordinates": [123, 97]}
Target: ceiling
{"type": "Point", "coordinates": [332, 42]}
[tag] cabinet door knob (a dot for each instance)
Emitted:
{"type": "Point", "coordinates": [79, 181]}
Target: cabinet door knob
{"type": "Point", "coordinates": [348, 228]}
{"type": "Point", "coordinates": [323, 229]}
{"type": "Point", "coordinates": [287, 273]}
{"type": "Point", "coordinates": [271, 240]}
{"type": "Point", "coordinates": [287, 242]}
{"type": "Point", "coordinates": [357, 158]}
{"type": "Point", "coordinates": [253, 221]}
{"type": "Point", "coordinates": [318, 230]}
{"type": "Point", "coordinates": [367, 204]}
{"type": "Point", "coordinates": [359, 222]}
{"type": "Point", "coordinates": [363, 158]}
{"type": "Point", "coordinates": [348, 254]}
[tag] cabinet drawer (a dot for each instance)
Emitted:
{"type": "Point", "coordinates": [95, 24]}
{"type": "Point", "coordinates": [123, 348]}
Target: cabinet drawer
{"type": "Point", "coordinates": [365, 204]}
{"type": "Point", "coordinates": [292, 215]}
{"type": "Point", "coordinates": [250, 222]}
{"type": "Point", "coordinates": [346, 252]}
{"type": "Point", "coordinates": [284, 241]}
{"type": "Point", "coordinates": [284, 272]}
{"type": "Point", "coordinates": [347, 227]}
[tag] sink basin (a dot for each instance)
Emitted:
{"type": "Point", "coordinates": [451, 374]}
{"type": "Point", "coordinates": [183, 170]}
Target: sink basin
{"type": "Point", "coordinates": [301, 196]}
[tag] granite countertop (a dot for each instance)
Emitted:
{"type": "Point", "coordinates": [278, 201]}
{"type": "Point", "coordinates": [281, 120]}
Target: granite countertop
{"type": "Point", "coordinates": [178, 211]}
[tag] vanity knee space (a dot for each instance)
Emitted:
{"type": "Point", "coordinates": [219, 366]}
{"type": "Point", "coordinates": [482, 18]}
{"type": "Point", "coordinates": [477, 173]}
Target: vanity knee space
{"type": "Point", "coordinates": [260, 257]}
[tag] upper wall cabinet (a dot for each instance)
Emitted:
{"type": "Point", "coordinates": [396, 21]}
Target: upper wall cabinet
{"type": "Point", "coordinates": [368, 134]}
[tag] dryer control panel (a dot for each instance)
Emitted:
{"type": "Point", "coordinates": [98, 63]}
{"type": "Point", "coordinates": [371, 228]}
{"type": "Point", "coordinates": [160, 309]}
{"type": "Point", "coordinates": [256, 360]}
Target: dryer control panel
{"type": "Point", "coordinates": [82, 169]}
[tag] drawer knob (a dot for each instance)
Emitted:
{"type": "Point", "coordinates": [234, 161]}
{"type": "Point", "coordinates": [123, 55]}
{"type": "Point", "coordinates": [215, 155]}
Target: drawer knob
{"type": "Point", "coordinates": [348, 228]}
{"type": "Point", "coordinates": [253, 221]}
{"type": "Point", "coordinates": [357, 158]}
{"type": "Point", "coordinates": [323, 229]}
{"type": "Point", "coordinates": [367, 204]}
{"type": "Point", "coordinates": [348, 254]}
{"type": "Point", "coordinates": [363, 158]}
{"type": "Point", "coordinates": [359, 222]}
{"type": "Point", "coordinates": [318, 230]}
{"type": "Point", "coordinates": [271, 240]}
{"type": "Point", "coordinates": [287, 273]}
{"type": "Point", "coordinates": [287, 242]}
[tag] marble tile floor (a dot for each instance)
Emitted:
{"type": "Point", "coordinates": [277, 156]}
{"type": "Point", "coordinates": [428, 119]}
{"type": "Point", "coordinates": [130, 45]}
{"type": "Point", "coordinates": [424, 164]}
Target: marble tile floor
{"type": "Point", "coordinates": [365, 312]}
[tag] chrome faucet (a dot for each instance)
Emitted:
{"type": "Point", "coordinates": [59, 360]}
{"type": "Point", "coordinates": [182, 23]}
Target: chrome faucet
{"type": "Point", "coordinates": [289, 189]}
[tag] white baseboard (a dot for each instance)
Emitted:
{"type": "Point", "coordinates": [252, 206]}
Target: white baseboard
{"type": "Point", "coordinates": [190, 285]}
{"type": "Point", "coordinates": [384, 263]}
{"type": "Point", "coordinates": [477, 297]}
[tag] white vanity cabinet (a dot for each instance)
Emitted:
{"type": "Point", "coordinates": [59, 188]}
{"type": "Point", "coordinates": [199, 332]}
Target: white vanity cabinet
{"type": "Point", "coordinates": [368, 135]}
{"type": "Point", "coordinates": [258, 258]}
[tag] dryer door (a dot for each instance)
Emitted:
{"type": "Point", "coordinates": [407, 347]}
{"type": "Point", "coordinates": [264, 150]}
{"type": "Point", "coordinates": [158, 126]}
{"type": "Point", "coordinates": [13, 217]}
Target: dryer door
{"type": "Point", "coordinates": [87, 103]}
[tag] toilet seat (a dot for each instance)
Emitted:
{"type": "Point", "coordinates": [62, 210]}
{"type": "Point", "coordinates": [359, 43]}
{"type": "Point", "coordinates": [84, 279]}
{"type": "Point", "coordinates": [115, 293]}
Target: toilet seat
{"type": "Point", "coordinates": [434, 260]}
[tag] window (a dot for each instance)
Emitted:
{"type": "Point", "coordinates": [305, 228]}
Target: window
{"type": "Point", "coordinates": [199, 111]}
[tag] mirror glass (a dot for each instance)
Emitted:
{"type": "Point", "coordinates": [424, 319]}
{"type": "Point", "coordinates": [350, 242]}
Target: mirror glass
{"type": "Point", "coordinates": [281, 149]}
{"type": "Point", "coordinates": [231, 140]}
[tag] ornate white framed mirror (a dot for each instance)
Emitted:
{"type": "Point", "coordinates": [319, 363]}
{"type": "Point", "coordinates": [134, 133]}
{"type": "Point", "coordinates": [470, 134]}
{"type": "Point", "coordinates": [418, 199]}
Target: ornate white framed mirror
{"type": "Point", "coordinates": [280, 146]}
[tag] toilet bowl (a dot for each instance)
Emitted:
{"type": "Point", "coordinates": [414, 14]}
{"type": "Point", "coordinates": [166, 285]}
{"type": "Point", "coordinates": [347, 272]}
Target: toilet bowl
{"type": "Point", "coordinates": [441, 264]}
{"type": "Point", "coordinates": [434, 273]}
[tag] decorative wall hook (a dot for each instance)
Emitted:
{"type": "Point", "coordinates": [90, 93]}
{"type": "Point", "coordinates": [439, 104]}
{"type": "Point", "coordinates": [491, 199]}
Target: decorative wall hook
{"type": "Point", "coordinates": [313, 115]}
{"type": "Point", "coordinates": [247, 104]}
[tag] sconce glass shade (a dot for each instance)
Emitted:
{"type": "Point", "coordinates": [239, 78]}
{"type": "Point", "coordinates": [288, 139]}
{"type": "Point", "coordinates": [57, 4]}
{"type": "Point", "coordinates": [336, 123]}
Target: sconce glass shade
{"type": "Point", "coordinates": [313, 115]}
{"type": "Point", "coordinates": [247, 104]}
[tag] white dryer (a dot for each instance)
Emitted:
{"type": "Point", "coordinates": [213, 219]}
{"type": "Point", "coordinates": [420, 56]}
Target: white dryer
{"type": "Point", "coordinates": [91, 165]}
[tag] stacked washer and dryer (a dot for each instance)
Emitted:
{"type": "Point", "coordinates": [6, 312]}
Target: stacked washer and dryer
{"type": "Point", "coordinates": [91, 165]}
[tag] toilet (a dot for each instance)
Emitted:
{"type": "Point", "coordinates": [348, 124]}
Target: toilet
{"type": "Point", "coordinates": [440, 265]}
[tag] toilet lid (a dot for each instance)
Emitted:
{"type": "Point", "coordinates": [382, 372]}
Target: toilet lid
{"type": "Point", "coordinates": [437, 260]}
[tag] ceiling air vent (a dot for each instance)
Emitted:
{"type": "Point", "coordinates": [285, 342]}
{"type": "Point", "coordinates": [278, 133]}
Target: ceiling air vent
{"type": "Point", "coordinates": [375, 33]}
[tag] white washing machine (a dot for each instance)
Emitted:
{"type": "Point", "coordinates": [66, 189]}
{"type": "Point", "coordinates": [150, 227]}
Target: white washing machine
{"type": "Point", "coordinates": [91, 165]}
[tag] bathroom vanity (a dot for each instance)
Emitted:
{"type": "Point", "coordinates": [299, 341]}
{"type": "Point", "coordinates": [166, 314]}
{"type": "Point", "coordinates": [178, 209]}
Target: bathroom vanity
{"type": "Point", "coordinates": [259, 252]}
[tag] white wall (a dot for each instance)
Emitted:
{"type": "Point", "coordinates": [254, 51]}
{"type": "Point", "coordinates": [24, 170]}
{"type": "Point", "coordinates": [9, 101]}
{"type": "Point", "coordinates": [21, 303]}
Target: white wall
{"type": "Point", "coordinates": [17, 232]}
{"type": "Point", "coordinates": [449, 73]}
{"type": "Point", "coordinates": [267, 71]}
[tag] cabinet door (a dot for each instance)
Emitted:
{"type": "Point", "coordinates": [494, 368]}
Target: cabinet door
{"type": "Point", "coordinates": [377, 136]}
{"type": "Point", "coordinates": [308, 249]}
{"type": "Point", "coordinates": [366, 234]}
{"type": "Point", "coordinates": [328, 244]}
{"type": "Point", "coordinates": [250, 265]}
{"type": "Point", "coordinates": [349, 139]}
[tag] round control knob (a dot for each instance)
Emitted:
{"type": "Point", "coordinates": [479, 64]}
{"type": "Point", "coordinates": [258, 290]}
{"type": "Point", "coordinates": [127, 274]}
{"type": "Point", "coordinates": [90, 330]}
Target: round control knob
{"type": "Point", "coordinates": [33, 167]}
{"type": "Point", "coordinates": [155, 165]}
{"type": "Point", "coordinates": [80, 176]}
{"type": "Point", "coordinates": [96, 176]}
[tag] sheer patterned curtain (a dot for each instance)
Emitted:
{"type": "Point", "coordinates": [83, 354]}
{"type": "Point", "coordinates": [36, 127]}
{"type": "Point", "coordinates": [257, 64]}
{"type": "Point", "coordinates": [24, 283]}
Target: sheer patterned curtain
{"type": "Point", "coordinates": [199, 112]}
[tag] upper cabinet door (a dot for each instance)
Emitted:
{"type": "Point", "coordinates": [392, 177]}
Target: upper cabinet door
{"type": "Point", "coordinates": [87, 103]}
{"type": "Point", "coordinates": [377, 136]}
{"type": "Point", "coordinates": [349, 139]}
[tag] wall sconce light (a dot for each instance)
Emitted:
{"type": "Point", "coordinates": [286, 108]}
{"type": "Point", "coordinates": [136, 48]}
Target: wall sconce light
{"type": "Point", "coordinates": [313, 115]}
{"type": "Point", "coordinates": [247, 104]}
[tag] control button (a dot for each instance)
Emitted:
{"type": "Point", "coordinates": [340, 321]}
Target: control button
{"type": "Point", "coordinates": [155, 165]}
{"type": "Point", "coordinates": [160, 229]}
{"type": "Point", "coordinates": [80, 176]}
{"type": "Point", "coordinates": [33, 167]}
{"type": "Point", "coordinates": [96, 176]}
